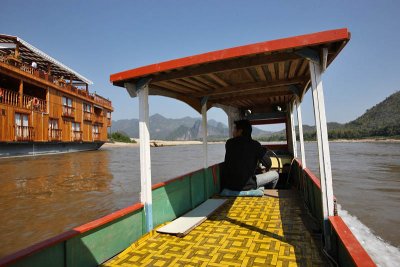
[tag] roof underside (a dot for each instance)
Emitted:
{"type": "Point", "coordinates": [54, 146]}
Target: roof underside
{"type": "Point", "coordinates": [30, 53]}
{"type": "Point", "coordinates": [258, 77]}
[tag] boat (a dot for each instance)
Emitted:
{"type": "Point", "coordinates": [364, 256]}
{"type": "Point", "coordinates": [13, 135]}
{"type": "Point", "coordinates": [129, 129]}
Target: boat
{"type": "Point", "coordinates": [46, 107]}
{"type": "Point", "coordinates": [294, 225]}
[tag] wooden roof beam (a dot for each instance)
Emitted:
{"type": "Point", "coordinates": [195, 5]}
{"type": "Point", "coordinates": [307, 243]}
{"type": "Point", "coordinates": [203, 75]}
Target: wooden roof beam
{"type": "Point", "coordinates": [226, 65]}
{"type": "Point", "coordinates": [260, 93]}
{"type": "Point", "coordinates": [261, 73]}
{"type": "Point", "coordinates": [216, 78]}
{"type": "Point", "coordinates": [251, 86]}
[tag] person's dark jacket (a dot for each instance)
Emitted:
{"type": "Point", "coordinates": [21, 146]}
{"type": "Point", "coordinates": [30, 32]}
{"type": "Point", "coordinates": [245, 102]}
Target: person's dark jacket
{"type": "Point", "coordinates": [241, 158]}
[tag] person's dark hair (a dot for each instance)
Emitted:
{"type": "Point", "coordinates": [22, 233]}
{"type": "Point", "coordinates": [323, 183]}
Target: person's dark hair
{"type": "Point", "coordinates": [245, 126]}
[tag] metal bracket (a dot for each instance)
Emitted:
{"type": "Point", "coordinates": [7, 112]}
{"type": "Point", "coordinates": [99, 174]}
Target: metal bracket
{"type": "Point", "coordinates": [324, 60]}
{"type": "Point", "coordinates": [309, 54]}
{"type": "Point", "coordinates": [204, 100]}
{"type": "Point", "coordinates": [296, 90]}
{"type": "Point", "coordinates": [133, 88]}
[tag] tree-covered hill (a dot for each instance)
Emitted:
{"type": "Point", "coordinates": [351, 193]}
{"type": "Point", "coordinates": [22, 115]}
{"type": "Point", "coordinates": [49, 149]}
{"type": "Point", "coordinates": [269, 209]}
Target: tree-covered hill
{"type": "Point", "coordinates": [381, 120]}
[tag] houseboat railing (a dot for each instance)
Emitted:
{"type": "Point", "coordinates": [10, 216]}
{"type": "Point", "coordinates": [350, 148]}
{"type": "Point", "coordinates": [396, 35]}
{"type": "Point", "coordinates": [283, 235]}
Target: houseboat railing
{"type": "Point", "coordinates": [17, 63]}
{"type": "Point", "coordinates": [55, 134]}
{"type": "Point", "coordinates": [34, 103]}
{"type": "Point", "coordinates": [98, 119]}
{"type": "Point", "coordinates": [9, 97]}
{"type": "Point", "coordinates": [68, 111]}
{"type": "Point", "coordinates": [101, 100]}
{"type": "Point", "coordinates": [24, 133]}
{"type": "Point", "coordinates": [28, 69]}
{"type": "Point", "coordinates": [77, 135]}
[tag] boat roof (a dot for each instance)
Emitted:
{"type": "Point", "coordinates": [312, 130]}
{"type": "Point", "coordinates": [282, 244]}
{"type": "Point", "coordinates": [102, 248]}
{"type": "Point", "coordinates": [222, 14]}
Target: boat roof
{"type": "Point", "coordinates": [258, 76]}
{"type": "Point", "coordinates": [30, 53]}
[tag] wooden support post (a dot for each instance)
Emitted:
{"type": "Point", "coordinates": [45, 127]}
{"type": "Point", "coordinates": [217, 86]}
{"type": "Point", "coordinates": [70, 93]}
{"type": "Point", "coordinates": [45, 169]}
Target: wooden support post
{"type": "Point", "coordinates": [289, 133]}
{"type": "Point", "coordinates": [293, 129]}
{"type": "Point", "coordinates": [233, 115]}
{"type": "Point", "coordinates": [48, 100]}
{"type": "Point", "coordinates": [49, 69]}
{"type": "Point", "coordinates": [21, 93]}
{"type": "Point", "coordinates": [145, 161]}
{"type": "Point", "coordinates": [204, 126]}
{"type": "Point", "coordinates": [301, 138]}
{"type": "Point", "coordinates": [16, 51]}
{"type": "Point", "coordinates": [323, 148]}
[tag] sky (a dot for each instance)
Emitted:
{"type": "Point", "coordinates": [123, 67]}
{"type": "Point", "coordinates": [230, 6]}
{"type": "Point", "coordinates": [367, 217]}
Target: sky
{"type": "Point", "coordinates": [98, 38]}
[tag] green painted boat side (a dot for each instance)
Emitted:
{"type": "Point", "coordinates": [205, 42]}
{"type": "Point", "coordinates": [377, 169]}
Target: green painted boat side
{"type": "Point", "coordinates": [84, 249]}
{"type": "Point", "coordinates": [350, 254]}
{"type": "Point", "coordinates": [51, 256]}
{"type": "Point", "coordinates": [96, 246]}
{"type": "Point", "coordinates": [182, 195]}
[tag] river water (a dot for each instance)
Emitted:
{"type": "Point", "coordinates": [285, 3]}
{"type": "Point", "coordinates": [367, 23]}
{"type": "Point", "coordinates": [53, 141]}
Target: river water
{"type": "Point", "coordinates": [47, 195]}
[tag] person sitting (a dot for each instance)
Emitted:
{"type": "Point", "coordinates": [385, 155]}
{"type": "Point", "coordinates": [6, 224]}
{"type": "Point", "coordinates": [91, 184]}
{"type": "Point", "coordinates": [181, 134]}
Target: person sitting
{"type": "Point", "coordinates": [241, 159]}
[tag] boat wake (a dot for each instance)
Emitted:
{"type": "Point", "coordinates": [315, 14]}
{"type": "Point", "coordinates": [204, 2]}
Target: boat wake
{"type": "Point", "coordinates": [383, 253]}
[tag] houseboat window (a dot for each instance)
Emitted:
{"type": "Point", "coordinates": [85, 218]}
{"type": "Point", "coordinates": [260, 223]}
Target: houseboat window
{"type": "Point", "coordinates": [54, 132]}
{"type": "Point", "coordinates": [53, 124]}
{"type": "Point", "coordinates": [109, 115]}
{"type": "Point", "coordinates": [95, 128]}
{"type": "Point", "coordinates": [21, 125]}
{"type": "Point", "coordinates": [87, 108]}
{"type": "Point", "coordinates": [76, 131]}
{"type": "Point", "coordinates": [67, 101]}
{"type": "Point", "coordinates": [76, 126]}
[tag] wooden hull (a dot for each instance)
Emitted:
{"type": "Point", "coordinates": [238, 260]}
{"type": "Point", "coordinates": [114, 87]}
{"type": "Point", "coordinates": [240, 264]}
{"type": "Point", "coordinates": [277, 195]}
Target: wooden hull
{"type": "Point", "coordinates": [13, 149]}
{"type": "Point", "coordinates": [100, 240]}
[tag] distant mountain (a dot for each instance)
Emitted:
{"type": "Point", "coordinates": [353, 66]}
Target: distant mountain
{"type": "Point", "coordinates": [381, 120]}
{"type": "Point", "coordinates": [186, 128]}
{"type": "Point", "coordinates": [381, 116]}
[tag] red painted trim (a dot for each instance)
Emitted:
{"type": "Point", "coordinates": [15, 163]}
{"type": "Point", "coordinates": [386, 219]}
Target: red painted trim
{"type": "Point", "coordinates": [246, 50]}
{"type": "Point", "coordinates": [37, 247]}
{"type": "Point", "coordinates": [357, 253]}
{"type": "Point", "coordinates": [174, 179]}
{"type": "Point", "coordinates": [108, 218]}
{"type": "Point", "coordinates": [67, 235]}
{"type": "Point", "coordinates": [299, 162]}
{"type": "Point", "coordinates": [268, 121]}
{"type": "Point", "coordinates": [214, 173]}
{"type": "Point", "coordinates": [313, 178]}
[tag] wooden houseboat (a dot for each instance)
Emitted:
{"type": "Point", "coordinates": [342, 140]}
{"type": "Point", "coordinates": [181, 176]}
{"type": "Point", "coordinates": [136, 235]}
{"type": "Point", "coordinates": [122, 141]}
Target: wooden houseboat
{"type": "Point", "coordinates": [46, 107]}
{"type": "Point", "coordinates": [295, 225]}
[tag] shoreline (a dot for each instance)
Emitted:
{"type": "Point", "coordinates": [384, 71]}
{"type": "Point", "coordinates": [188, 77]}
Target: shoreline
{"type": "Point", "coordinates": [162, 143]}
{"type": "Point", "coordinates": [159, 143]}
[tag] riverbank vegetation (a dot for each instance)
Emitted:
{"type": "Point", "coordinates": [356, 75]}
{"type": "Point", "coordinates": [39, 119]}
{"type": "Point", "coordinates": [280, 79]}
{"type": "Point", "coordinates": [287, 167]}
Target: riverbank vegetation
{"type": "Point", "coordinates": [120, 137]}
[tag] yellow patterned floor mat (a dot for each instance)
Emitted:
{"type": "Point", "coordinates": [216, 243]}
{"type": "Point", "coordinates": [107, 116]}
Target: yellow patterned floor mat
{"type": "Point", "coordinates": [245, 231]}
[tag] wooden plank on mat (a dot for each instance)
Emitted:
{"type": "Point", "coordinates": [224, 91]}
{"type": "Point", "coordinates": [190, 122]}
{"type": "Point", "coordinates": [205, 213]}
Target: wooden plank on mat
{"type": "Point", "coordinates": [183, 225]}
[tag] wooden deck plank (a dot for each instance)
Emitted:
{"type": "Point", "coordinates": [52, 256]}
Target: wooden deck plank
{"type": "Point", "coordinates": [184, 224]}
